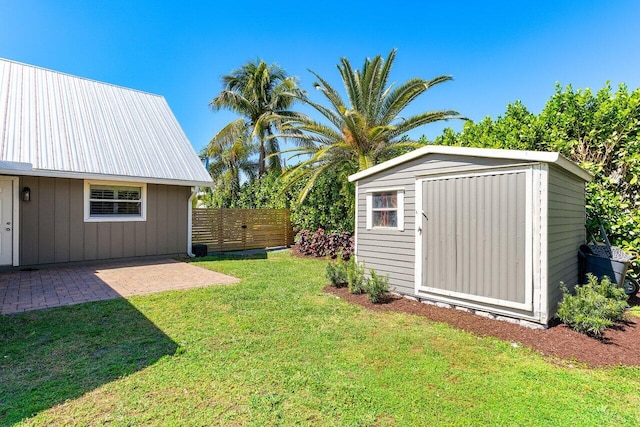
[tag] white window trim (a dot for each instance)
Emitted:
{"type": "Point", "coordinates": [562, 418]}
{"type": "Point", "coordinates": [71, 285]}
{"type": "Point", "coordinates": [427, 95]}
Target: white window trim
{"type": "Point", "coordinates": [400, 210]}
{"type": "Point", "coordinates": [114, 218]}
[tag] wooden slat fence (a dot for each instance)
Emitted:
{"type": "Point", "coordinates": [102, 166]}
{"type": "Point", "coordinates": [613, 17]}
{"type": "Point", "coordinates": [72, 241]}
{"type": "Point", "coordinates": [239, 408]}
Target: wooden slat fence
{"type": "Point", "coordinates": [240, 229]}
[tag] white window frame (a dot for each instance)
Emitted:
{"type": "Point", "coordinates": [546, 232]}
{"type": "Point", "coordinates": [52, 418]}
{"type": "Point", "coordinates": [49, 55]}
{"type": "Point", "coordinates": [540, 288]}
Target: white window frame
{"type": "Point", "coordinates": [114, 218]}
{"type": "Point", "coordinates": [400, 209]}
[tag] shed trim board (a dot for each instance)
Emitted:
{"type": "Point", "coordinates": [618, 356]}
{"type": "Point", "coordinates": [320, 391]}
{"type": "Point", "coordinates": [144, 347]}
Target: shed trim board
{"type": "Point", "coordinates": [525, 156]}
{"type": "Point", "coordinates": [542, 171]}
{"type": "Point", "coordinates": [427, 291]}
{"type": "Point", "coordinates": [355, 238]}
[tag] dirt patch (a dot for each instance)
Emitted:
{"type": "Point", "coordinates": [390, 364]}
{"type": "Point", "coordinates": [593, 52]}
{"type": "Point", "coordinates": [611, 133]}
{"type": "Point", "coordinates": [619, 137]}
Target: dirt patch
{"type": "Point", "coordinates": [296, 252]}
{"type": "Point", "coordinates": [619, 346]}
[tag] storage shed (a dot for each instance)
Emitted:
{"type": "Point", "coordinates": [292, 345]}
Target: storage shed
{"type": "Point", "coordinates": [492, 231]}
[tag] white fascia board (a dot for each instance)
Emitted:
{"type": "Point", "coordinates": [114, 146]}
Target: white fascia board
{"type": "Point", "coordinates": [10, 167]}
{"type": "Point", "coordinates": [533, 156]}
{"type": "Point", "coordinates": [103, 177]}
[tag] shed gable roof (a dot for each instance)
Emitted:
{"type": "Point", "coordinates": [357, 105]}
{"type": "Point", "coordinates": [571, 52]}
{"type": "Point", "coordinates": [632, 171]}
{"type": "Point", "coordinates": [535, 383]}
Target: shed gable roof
{"type": "Point", "coordinates": [64, 125]}
{"type": "Point", "coordinates": [526, 156]}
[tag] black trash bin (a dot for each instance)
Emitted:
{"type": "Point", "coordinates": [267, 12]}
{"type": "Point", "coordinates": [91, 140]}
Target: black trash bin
{"type": "Point", "coordinates": [199, 250]}
{"type": "Point", "coordinates": [601, 263]}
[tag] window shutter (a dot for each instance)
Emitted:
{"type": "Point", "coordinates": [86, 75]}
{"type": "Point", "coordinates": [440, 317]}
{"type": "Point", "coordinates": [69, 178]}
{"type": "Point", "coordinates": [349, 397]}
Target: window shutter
{"type": "Point", "coordinates": [369, 212]}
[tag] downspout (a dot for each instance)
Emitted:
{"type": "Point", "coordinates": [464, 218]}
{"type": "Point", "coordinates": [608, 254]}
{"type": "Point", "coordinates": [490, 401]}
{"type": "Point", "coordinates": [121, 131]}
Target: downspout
{"type": "Point", "coordinates": [194, 193]}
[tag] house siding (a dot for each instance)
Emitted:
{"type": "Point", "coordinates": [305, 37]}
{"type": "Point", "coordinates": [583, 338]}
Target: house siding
{"type": "Point", "coordinates": [565, 234]}
{"type": "Point", "coordinates": [52, 227]}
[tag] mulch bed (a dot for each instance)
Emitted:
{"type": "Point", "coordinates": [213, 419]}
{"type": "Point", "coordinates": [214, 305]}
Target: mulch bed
{"type": "Point", "coordinates": [618, 346]}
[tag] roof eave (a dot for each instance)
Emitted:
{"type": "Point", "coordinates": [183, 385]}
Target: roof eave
{"type": "Point", "coordinates": [531, 156]}
{"type": "Point", "coordinates": [23, 171]}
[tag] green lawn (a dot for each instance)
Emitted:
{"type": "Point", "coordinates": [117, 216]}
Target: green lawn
{"type": "Point", "coordinates": [275, 350]}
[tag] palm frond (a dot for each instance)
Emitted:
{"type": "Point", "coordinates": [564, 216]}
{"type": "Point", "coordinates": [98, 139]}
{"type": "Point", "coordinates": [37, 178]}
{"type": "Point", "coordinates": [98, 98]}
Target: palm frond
{"type": "Point", "coordinates": [383, 79]}
{"type": "Point", "coordinates": [231, 101]}
{"type": "Point", "coordinates": [227, 136]}
{"type": "Point", "coordinates": [328, 91]}
{"type": "Point", "coordinates": [351, 83]}
{"type": "Point", "coordinates": [404, 94]}
{"type": "Point", "coordinates": [423, 119]}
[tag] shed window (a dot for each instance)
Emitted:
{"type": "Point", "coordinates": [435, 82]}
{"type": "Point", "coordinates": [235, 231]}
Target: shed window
{"type": "Point", "coordinates": [114, 201]}
{"type": "Point", "coordinates": [385, 209]}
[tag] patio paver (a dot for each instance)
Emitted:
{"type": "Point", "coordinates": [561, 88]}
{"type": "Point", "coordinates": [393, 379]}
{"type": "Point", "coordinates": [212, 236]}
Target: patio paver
{"type": "Point", "coordinates": [53, 287]}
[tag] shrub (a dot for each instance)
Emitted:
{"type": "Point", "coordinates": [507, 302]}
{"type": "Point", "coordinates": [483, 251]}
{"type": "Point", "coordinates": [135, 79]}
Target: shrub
{"type": "Point", "coordinates": [594, 307]}
{"type": "Point", "coordinates": [337, 273]}
{"type": "Point", "coordinates": [376, 286]}
{"type": "Point", "coordinates": [321, 244]}
{"type": "Point", "coordinates": [355, 276]}
{"type": "Point", "coordinates": [329, 205]}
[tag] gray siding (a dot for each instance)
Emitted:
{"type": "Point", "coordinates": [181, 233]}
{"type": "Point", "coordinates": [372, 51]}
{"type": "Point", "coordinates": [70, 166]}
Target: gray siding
{"type": "Point", "coordinates": [392, 252]}
{"type": "Point", "coordinates": [474, 238]}
{"type": "Point", "coordinates": [566, 219]}
{"type": "Point", "coordinates": [52, 227]}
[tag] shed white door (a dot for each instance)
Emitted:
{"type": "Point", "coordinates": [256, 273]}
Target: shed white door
{"type": "Point", "coordinates": [474, 238]}
{"type": "Point", "coordinates": [6, 221]}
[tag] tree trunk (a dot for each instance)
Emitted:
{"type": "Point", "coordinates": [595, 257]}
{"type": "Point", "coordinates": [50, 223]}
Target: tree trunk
{"type": "Point", "coordinates": [261, 160]}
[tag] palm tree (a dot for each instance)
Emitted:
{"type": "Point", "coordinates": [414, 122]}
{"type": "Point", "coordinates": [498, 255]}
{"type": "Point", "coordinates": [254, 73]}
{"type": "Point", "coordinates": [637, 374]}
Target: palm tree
{"type": "Point", "coordinates": [367, 131]}
{"type": "Point", "coordinates": [230, 157]}
{"type": "Point", "coordinates": [262, 95]}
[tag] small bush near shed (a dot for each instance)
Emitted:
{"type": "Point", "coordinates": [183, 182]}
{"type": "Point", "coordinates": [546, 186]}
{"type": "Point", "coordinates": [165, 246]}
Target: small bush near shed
{"type": "Point", "coordinates": [321, 244]}
{"type": "Point", "coordinates": [376, 286]}
{"type": "Point", "coordinates": [355, 276]}
{"type": "Point", "coordinates": [595, 306]}
{"type": "Point", "coordinates": [337, 272]}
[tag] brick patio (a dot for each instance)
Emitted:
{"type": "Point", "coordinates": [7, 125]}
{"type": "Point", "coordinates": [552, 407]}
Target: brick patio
{"type": "Point", "coordinates": [53, 287]}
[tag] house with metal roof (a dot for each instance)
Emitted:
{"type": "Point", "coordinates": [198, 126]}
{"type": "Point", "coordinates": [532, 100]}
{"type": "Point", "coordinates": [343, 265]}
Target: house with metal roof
{"type": "Point", "coordinates": [90, 171]}
{"type": "Point", "coordinates": [484, 230]}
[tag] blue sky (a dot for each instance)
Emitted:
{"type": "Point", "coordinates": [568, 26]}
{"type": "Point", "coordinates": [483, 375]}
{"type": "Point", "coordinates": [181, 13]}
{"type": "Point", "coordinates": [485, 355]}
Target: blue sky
{"type": "Point", "coordinates": [498, 52]}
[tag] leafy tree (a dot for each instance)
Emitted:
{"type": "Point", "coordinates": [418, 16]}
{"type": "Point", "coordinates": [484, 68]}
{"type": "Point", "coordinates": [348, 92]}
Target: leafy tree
{"type": "Point", "coordinates": [599, 131]}
{"type": "Point", "coordinates": [265, 192]}
{"type": "Point", "coordinates": [262, 94]}
{"type": "Point", "coordinates": [517, 129]}
{"type": "Point", "coordinates": [364, 131]}
{"type": "Point", "coordinates": [330, 204]}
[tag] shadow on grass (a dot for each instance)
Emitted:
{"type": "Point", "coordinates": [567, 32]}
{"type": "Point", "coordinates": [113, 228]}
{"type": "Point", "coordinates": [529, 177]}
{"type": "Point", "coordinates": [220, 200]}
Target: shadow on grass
{"type": "Point", "coordinates": [50, 356]}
